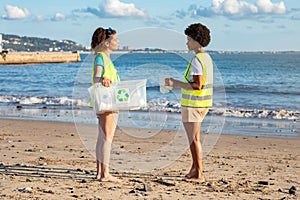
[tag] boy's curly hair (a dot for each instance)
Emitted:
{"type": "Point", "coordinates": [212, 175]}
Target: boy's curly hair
{"type": "Point", "coordinates": [100, 35]}
{"type": "Point", "coordinates": [198, 32]}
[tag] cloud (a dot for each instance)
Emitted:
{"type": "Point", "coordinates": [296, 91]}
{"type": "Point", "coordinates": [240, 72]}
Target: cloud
{"type": "Point", "coordinates": [295, 17]}
{"type": "Point", "coordinates": [235, 9]}
{"type": "Point", "coordinates": [281, 26]}
{"type": "Point", "coordinates": [58, 17]}
{"type": "Point", "coordinates": [120, 9]}
{"type": "Point", "coordinates": [160, 21]}
{"type": "Point", "coordinates": [14, 12]}
{"type": "Point", "coordinates": [95, 11]}
{"type": "Point", "coordinates": [39, 18]}
{"type": "Point", "coordinates": [180, 14]}
{"type": "Point", "coordinates": [295, 14]}
{"type": "Point", "coordinates": [266, 6]}
{"type": "Point", "coordinates": [266, 20]}
{"type": "Point", "coordinates": [114, 9]}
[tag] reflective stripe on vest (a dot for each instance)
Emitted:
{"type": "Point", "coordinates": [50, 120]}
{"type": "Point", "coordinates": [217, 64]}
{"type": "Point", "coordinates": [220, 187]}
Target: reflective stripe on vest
{"type": "Point", "coordinates": [109, 71]}
{"type": "Point", "coordinates": [199, 98]}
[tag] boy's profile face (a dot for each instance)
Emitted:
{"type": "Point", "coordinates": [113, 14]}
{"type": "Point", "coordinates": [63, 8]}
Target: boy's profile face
{"type": "Point", "coordinates": [192, 44]}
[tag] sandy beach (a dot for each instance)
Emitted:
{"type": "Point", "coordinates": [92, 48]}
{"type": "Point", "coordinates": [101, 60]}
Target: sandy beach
{"type": "Point", "coordinates": [47, 160]}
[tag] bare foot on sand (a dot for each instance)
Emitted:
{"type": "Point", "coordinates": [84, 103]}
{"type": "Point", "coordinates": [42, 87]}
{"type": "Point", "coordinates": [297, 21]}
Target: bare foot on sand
{"type": "Point", "coordinates": [110, 178]}
{"type": "Point", "coordinates": [98, 176]}
{"type": "Point", "coordinates": [195, 179]}
{"type": "Point", "coordinates": [192, 173]}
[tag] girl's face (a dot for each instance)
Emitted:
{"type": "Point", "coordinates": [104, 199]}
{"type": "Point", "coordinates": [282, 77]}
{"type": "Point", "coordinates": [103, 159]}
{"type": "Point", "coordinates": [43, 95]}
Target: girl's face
{"type": "Point", "coordinates": [192, 44]}
{"type": "Point", "coordinates": [113, 42]}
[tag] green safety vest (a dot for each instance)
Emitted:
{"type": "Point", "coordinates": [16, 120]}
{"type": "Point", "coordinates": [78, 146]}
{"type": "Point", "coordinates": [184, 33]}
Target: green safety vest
{"type": "Point", "coordinates": [199, 98]}
{"type": "Point", "coordinates": [109, 71]}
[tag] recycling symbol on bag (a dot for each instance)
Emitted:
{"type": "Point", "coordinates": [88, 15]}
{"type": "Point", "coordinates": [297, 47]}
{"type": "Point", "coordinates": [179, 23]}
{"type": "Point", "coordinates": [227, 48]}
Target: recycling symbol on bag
{"type": "Point", "coordinates": [122, 95]}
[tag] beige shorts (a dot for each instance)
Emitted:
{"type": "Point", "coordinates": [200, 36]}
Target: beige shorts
{"type": "Point", "coordinates": [189, 114]}
{"type": "Point", "coordinates": [116, 113]}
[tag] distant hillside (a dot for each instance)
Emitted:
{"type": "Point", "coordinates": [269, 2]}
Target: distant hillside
{"type": "Point", "coordinates": [29, 44]}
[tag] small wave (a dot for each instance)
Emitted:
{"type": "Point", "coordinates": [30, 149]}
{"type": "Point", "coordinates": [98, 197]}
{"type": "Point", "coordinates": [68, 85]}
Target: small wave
{"type": "Point", "coordinates": [154, 105]}
{"type": "Point", "coordinates": [256, 113]}
{"type": "Point", "coordinates": [42, 101]}
{"type": "Point", "coordinates": [175, 107]}
{"type": "Point", "coordinates": [154, 87]}
{"type": "Point", "coordinates": [162, 105]}
{"type": "Point", "coordinates": [263, 90]}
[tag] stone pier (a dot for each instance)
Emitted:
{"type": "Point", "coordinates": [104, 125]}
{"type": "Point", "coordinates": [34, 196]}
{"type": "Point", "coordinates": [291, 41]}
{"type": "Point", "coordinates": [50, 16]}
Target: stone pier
{"type": "Point", "coordinates": [38, 57]}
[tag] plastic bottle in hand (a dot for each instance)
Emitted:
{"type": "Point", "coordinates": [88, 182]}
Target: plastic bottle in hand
{"type": "Point", "coordinates": [163, 88]}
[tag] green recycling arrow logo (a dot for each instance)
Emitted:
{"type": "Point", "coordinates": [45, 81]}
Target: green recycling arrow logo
{"type": "Point", "coordinates": [122, 95]}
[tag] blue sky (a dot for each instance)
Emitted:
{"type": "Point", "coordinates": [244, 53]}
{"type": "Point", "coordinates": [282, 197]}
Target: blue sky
{"type": "Point", "coordinates": [242, 25]}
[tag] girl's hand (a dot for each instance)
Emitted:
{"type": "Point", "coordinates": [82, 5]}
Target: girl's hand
{"type": "Point", "coordinates": [106, 82]}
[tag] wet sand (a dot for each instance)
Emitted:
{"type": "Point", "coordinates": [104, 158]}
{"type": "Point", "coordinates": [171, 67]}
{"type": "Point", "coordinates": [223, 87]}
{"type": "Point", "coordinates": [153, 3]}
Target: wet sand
{"type": "Point", "coordinates": [48, 160]}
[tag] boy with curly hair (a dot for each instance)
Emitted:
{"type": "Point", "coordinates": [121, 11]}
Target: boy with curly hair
{"type": "Point", "coordinates": [197, 90]}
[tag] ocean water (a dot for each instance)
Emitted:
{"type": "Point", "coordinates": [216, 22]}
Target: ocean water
{"type": "Point", "coordinates": [252, 86]}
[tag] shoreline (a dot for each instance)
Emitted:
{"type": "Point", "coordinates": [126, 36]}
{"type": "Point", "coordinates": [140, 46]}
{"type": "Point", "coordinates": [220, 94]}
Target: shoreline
{"type": "Point", "coordinates": [48, 160]}
{"type": "Point", "coordinates": [214, 123]}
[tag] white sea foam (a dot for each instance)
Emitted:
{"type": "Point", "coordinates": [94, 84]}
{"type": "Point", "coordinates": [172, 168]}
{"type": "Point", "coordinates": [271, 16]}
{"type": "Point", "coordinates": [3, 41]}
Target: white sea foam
{"type": "Point", "coordinates": [167, 106]}
{"type": "Point", "coordinates": [154, 105]}
{"type": "Point", "coordinates": [263, 114]}
{"type": "Point", "coordinates": [42, 101]}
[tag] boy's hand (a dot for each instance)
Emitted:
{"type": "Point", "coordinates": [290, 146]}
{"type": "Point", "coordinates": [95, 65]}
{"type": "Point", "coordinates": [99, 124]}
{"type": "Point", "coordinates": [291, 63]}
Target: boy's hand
{"type": "Point", "coordinates": [169, 82]}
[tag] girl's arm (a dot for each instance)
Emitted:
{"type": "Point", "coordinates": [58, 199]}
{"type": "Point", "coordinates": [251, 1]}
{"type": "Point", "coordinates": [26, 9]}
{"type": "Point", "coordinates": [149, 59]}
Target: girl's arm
{"type": "Point", "coordinates": [98, 79]}
{"type": "Point", "coordinates": [97, 74]}
{"type": "Point", "coordinates": [195, 85]}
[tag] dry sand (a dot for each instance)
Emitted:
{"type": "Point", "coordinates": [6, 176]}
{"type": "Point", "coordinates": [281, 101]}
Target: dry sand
{"type": "Point", "coordinates": [47, 160]}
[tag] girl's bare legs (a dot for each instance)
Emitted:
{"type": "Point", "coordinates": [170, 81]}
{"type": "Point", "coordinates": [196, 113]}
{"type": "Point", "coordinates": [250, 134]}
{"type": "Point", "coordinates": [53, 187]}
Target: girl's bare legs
{"type": "Point", "coordinates": [98, 165]}
{"type": "Point", "coordinates": [107, 123]}
{"type": "Point", "coordinates": [193, 132]}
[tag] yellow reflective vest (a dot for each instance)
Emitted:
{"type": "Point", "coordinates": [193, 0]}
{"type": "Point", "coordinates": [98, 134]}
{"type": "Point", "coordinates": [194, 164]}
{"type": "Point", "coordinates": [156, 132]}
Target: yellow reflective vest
{"type": "Point", "coordinates": [109, 71]}
{"type": "Point", "coordinates": [199, 98]}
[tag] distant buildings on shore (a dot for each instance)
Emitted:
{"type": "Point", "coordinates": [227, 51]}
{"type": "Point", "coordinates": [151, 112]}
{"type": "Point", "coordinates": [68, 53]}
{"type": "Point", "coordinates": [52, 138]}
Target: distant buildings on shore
{"type": "Point", "coordinates": [253, 52]}
{"type": "Point", "coordinates": [155, 50]}
{"type": "Point", "coordinates": [15, 43]}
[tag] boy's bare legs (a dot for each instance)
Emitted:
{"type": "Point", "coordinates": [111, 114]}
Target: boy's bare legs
{"type": "Point", "coordinates": [107, 126]}
{"type": "Point", "coordinates": [191, 172]}
{"type": "Point", "coordinates": [193, 132]}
